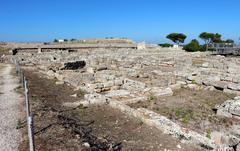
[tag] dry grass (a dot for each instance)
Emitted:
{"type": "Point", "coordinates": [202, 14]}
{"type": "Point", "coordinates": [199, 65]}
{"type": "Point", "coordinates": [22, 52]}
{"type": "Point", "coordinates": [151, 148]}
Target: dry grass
{"type": "Point", "coordinates": [197, 62]}
{"type": "Point", "coordinates": [4, 51]}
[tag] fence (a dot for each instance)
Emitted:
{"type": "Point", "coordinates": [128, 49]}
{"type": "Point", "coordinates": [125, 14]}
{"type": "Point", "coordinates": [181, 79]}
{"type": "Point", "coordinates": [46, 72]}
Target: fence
{"type": "Point", "coordinates": [29, 115]}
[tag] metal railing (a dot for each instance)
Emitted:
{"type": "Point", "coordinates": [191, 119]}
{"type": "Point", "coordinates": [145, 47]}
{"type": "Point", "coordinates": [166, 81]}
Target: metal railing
{"type": "Point", "coordinates": [30, 124]}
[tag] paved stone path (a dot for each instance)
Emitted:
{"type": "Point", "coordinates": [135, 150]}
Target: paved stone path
{"type": "Point", "coordinates": [10, 102]}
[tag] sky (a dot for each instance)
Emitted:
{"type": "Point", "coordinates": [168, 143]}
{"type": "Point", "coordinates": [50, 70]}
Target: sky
{"type": "Point", "coordinates": [140, 20]}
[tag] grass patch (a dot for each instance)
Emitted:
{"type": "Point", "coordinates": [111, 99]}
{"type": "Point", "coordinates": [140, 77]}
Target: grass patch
{"type": "Point", "coordinates": [194, 82]}
{"type": "Point", "coordinates": [184, 114]}
{"type": "Point", "coordinates": [152, 98]}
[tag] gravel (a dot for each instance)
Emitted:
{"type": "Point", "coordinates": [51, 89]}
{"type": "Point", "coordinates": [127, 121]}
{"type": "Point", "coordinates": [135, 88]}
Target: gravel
{"type": "Point", "coordinates": [10, 113]}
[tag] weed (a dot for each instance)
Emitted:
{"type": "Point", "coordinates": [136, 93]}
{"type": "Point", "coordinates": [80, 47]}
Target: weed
{"type": "Point", "coordinates": [20, 124]}
{"type": "Point", "coordinates": [194, 94]}
{"type": "Point", "coordinates": [152, 98]}
{"type": "Point", "coordinates": [194, 82]}
{"type": "Point", "coordinates": [34, 99]}
{"type": "Point", "coordinates": [81, 93]}
{"type": "Point", "coordinates": [187, 118]}
{"type": "Point", "coordinates": [141, 123]}
{"type": "Point", "coordinates": [208, 135]}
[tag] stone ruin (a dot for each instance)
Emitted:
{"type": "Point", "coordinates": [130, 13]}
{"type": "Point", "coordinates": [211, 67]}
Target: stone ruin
{"type": "Point", "coordinates": [119, 77]}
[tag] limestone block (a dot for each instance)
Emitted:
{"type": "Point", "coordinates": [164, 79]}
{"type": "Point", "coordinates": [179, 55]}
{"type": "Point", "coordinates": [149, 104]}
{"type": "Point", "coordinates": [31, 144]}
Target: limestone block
{"type": "Point", "coordinates": [50, 73]}
{"type": "Point", "coordinates": [95, 98]}
{"type": "Point", "coordinates": [108, 84]}
{"type": "Point", "coordinates": [205, 65]}
{"type": "Point", "coordinates": [229, 107]}
{"type": "Point", "coordinates": [220, 84]}
{"type": "Point", "coordinates": [90, 70]}
{"type": "Point", "coordinates": [118, 82]}
{"type": "Point", "coordinates": [117, 93]}
{"type": "Point", "coordinates": [158, 92]}
{"type": "Point", "coordinates": [133, 85]}
{"type": "Point", "coordinates": [234, 86]}
{"type": "Point", "coordinates": [193, 86]}
{"type": "Point", "coordinates": [224, 147]}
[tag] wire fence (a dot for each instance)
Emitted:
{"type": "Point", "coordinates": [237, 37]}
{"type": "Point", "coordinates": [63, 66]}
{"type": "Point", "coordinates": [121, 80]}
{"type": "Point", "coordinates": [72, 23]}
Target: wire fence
{"type": "Point", "coordinates": [30, 124]}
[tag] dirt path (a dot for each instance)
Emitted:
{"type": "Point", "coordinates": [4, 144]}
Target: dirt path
{"type": "Point", "coordinates": [10, 101]}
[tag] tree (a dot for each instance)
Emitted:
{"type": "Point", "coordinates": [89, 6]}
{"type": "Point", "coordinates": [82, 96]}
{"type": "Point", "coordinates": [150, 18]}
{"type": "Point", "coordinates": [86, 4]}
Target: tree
{"type": "Point", "coordinates": [209, 38]}
{"type": "Point", "coordinates": [230, 41]}
{"type": "Point", "coordinates": [177, 37]}
{"type": "Point", "coordinates": [65, 40]}
{"type": "Point", "coordinates": [217, 38]}
{"type": "Point", "coordinates": [193, 46]}
{"type": "Point", "coordinates": [206, 37]}
{"type": "Point", "coordinates": [165, 45]}
{"type": "Point", "coordinates": [55, 40]}
{"type": "Point", "coordinates": [73, 39]}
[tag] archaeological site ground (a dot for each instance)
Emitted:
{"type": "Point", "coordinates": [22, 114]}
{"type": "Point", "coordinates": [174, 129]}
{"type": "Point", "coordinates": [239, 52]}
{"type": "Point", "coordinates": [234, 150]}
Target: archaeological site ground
{"type": "Point", "coordinates": [119, 95]}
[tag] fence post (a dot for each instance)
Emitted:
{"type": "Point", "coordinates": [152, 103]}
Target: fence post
{"type": "Point", "coordinates": [29, 116]}
{"type": "Point", "coordinates": [31, 133]}
{"type": "Point", "coordinates": [26, 96]}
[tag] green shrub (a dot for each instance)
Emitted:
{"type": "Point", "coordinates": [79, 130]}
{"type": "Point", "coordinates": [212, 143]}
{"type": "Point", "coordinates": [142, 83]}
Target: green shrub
{"type": "Point", "coordinates": [165, 45]}
{"type": "Point", "coordinates": [203, 48]}
{"type": "Point", "coordinates": [193, 46]}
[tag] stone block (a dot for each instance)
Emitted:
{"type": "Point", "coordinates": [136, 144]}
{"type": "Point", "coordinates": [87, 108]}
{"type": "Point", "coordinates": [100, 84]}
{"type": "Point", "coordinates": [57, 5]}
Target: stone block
{"type": "Point", "coordinates": [158, 92]}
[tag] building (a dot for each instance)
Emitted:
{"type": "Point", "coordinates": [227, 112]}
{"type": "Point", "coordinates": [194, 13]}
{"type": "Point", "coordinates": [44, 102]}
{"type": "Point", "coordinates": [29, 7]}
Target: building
{"type": "Point", "coordinates": [60, 40]}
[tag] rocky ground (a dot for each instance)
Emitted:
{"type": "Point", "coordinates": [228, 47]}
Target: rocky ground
{"type": "Point", "coordinates": [174, 91]}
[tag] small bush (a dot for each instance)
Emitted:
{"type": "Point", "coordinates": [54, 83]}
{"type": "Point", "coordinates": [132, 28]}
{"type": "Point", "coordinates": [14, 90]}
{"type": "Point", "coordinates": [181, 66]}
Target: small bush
{"type": "Point", "coordinates": [165, 45]}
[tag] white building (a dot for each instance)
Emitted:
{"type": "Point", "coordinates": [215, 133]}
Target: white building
{"type": "Point", "coordinates": [60, 40]}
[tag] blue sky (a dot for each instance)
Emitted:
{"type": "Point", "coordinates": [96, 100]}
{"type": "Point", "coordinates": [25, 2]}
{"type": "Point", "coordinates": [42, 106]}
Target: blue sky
{"type": "Point", "coordinates": [141, 20]}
